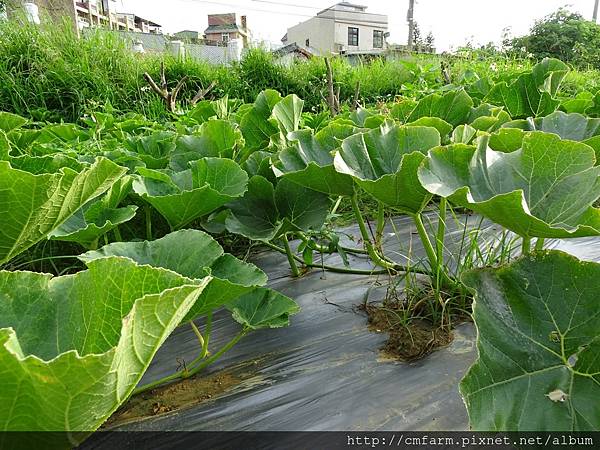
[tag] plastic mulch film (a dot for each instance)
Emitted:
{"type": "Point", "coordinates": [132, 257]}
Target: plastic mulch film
{"type": "Point", "coordinates": [326, 372]}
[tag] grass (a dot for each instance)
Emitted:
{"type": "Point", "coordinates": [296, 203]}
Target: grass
{"type": "Point", "coordinates": [48, 74]}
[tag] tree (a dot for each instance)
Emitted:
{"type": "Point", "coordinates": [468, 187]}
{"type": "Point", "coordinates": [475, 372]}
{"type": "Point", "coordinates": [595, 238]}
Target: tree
{"type": "Point", "coordinates": [430, 42]}
{"type": "Point", "coordinates": [417, 39]}
{"type": "Point", "coordinates": [564, 35]}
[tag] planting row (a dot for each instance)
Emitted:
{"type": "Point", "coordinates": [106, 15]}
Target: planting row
{"type": "Point", "coordinates": [74, 347]}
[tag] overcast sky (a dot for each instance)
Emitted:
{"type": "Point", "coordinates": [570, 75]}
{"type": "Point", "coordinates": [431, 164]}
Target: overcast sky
{"type": "Point", "coordinates": [452, 22]}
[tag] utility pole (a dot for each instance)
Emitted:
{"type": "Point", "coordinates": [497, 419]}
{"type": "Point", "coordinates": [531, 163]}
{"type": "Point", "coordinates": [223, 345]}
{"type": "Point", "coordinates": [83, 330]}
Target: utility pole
{"type": "Point", "coordinates": [596, 11]}
{"type": "Point", "coordinates": [410, 18]}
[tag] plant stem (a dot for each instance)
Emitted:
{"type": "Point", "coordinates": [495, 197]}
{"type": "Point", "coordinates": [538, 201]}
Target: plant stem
{"type": "Point", "coordinates": [397, 267]}
{"type": "Point", "coordinates": [375, 257]}
{"type": "Point", "coordinates": [441, 234]}
{"type": "Point", "coordinates": [526, 246]}
{"type": "Point", "coordinates": [290, 256]}
{"type": "Point", "coordinates": [437, 270]}
{"type": "Point", "coordinates": [336, 206]}
{"type": "Point", "coordinates": [148, 222]}
{"type": "Point", "coordinates": [222, 350]}
{"type": "Point", "coordinates": [194, 370]}
{"type": "Point", "coordinates": [380, 224]}
{"type": "Point", "coordinates": [207, 332]}
{"type": "Point", "coordinates": [117, 234]}
{"type": "Point", "coordinates": [197, 333]}
{"type": "Point", "coordinates": [429, 250]}
{"type": "Point", "coordinates": [539, 244]}
{"type": "Point", "coordinates": [324, 249]}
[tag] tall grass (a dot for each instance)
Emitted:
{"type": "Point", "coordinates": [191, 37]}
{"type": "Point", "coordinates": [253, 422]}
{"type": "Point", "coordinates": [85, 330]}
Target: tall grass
{"type": "Point", "coordinates": [48, 73]}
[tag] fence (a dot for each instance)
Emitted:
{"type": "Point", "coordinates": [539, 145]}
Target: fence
{"type": "Point", "coordinates": [158, 43]}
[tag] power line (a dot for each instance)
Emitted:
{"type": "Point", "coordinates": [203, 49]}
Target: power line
{"type": "Point", "coordinates": [270, 11]}
{"type": "Point", "coordinates": [287, 4]}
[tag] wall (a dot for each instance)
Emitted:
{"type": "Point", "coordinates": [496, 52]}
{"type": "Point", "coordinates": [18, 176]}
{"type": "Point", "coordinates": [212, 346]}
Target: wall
{"type": "Point", "coordinates": [365, 36]}
{"type": "Point", "coordinates": [216, 55]}
{"type": "Point", "coordinates": [52, 9]}
{"type": "Point", "coordinates": [321, 33]}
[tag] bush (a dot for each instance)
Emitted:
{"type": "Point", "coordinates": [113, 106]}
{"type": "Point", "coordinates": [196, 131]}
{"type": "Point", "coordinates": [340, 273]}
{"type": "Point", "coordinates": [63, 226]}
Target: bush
{"type": "Point", "coordinates": [566, 36]}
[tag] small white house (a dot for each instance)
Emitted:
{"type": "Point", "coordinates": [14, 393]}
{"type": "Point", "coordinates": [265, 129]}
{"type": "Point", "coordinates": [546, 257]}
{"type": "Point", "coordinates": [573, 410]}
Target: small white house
{"type": "Point", "coordinates": [343, 28]}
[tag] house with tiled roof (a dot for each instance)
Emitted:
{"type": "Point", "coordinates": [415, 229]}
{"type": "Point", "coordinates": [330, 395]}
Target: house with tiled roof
{"type": "Point", "coordinates": [223, 28]}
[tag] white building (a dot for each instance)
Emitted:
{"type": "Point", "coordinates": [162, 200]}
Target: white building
{"type": "Point", "coordinates": [342, 28]}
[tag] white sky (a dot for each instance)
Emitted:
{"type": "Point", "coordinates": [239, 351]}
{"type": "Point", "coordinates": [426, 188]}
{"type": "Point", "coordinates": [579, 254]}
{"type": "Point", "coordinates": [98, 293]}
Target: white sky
{"type": "Point", "coordinates": [453, 22]}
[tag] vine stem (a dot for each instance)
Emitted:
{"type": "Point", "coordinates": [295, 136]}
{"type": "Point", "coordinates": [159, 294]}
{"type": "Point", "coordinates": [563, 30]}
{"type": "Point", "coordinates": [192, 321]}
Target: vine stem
{"type": "Point", "coordinates": [380, 224]}
{"type": "Point", "coordinates": [290, 256]}
{"type": "Point", "coordinates": [148, 222]}
{"type": "Point", "coordinates": [436, 268]}
{"type": "Point", "coordinates": [397, 267]}
{"type": "Point", "coordinates": [526, 246]}
{"type": "Point", "coordinates": [324, 249]}
{"type": "Point", "coordinates": [375, 257]}
{"type": "Point", "coordinates": [117, 234]}
{"type": "Point", "coordinates": [539, 244]}
{"type": "Point", "coordinates": [194, 370]}
{"type": "Point", "coordinates": [441, 235]}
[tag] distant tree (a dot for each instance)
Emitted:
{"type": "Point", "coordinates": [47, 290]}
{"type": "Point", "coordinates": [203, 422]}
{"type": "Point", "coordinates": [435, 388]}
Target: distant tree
{"type": "Point", "coordinates": [430, 42]}
{"type": "Point", "coordinates": [417, 38]}
{"type": "Point", "coordinates": [564, 35]}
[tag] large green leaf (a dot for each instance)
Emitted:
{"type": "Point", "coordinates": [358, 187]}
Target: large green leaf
{"type": "Point", "coordinates": [193, 254]}
{"type": "Point", "coordinates": [454, 107]}
{"type": "Point", "coordinates": [98, 217]}
{"type": "Point", "coordinates": [309, 159]}
{"type": "Point", "coordinates": [263, 308]}
{"type": "Point", "coordinates": [288, 113]}
{"type": "Point", "coordinates": [545, 189]}
{"type": "Point", "coordinates": [266, 212]}
{"type": "Point", "coordinates": [215, 138]}
{"type": "Point", "coordinates": [574, 127]}
{"type": "Point", "coordinates": [384, 163]}
{"type": "Point", "coordinates": [73, 348]}
{"type": "Point", "coordinates": [32, 206]}
{"type": "Point", "coordinates": [531, 94]}
{"type": "Point", "coordinates": [154, 150]}
{"type": "Point", "coordinates": [9, 121]}
{"type": "Point", "coordinates": [257, 125]}
{"type": "Point", "coordinates": [538, 325]}
{"type": "Point", "coordinates": [182, 197]}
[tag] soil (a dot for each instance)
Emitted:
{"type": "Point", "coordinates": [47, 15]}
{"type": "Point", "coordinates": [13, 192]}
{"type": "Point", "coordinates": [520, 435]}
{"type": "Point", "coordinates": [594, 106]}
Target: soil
{"type": "Point", "coordinates": [407, 341]}
{"type": "Point", "coordinates": [179, 395]}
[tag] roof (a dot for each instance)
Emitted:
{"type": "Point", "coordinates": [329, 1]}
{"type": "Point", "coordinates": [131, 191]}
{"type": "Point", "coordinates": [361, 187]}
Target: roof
{"type": "Point", "coordinates": [347, 5]}
{"type": "Point", "coordinates": [294, 48]}
{"type": "Point", "coordinates": [219, 28]}
{"type": "Point", "coordinates": [149, 22]}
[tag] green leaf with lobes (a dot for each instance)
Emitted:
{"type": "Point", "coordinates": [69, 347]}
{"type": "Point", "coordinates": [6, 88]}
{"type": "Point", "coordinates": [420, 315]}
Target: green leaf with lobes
{"type": "Point", "coordinates": [33, 205]}
{"type": "Point", "coordinates": [263, 308]}
{"type": "Point", "coordinates": [99, 216]}
{"type": "Point", "coordinates": [266, 212]}
{"type": "Point", "coordinates": [454, 107]}
{"type": "Point", "coordinates": [384, 163]}
{"type": "Point", "coordinates": [308, 161]}
{"type": "Point", "coordinates": [182, 197]}
{"type": "Point", "coordinates": [538, 325]}
{"type": "Point", "coordinates": [193, 254]}
{"type": "Point", "coordinates": [72, 363]}
{"type": "Point", "coordinates": [545, 189]}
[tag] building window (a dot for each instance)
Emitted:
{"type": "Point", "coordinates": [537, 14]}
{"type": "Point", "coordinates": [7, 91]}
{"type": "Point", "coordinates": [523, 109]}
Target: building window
{"type": "Point", "coordinates": [225, 37]}
{"type": "Point", "coordinates": [307, 42]}
{"type": "Point", "coordinates": [352, 36]}
{"type": "Point", "coordinates": [377, 39]}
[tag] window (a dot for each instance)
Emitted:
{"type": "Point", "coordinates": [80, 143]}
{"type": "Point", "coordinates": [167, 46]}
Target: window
{"type": "Point", "coordinates": [307, 42]}
{"type": "Point", "coordinates": [352, 36]}
{"type": "Point", "coordinates": [377, 39]}
{"type": "Point", "coordinates": [225, 37]}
